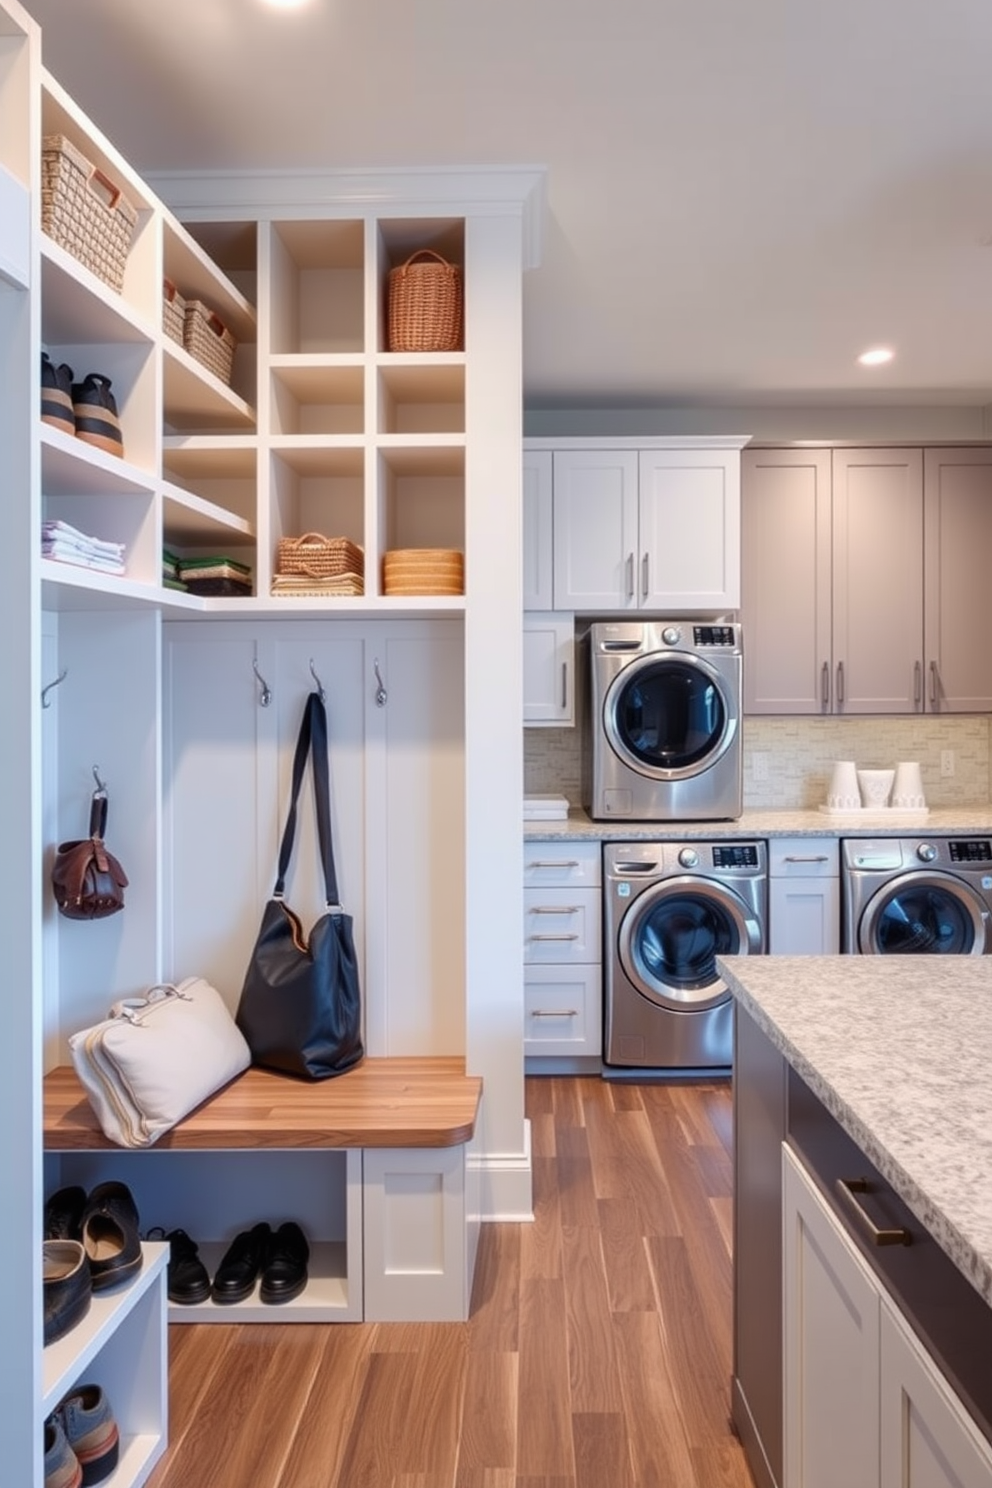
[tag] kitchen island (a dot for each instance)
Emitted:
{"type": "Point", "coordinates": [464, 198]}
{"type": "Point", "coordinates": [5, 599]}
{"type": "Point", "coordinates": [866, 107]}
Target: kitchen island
{"type": "Point", "coordinates": [872, 1074]}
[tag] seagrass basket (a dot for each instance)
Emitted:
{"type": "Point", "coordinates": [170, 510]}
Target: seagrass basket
{"type": "Point", "coordinates": [317, 557]}
{"type": "Point", "coordinates": [206, 337]}
{"type": "Point", "coordinates": [425, 310]}
{"type": "Point", "coordinates": [173, 311]}
{"type": "Point", "coordinates": [407, 571]}
{"type": "Point", "coordinates": [84, 211]}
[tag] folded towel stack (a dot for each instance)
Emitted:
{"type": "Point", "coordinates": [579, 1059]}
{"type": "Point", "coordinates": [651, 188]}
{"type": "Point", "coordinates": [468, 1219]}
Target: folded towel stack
{"type": "Point", "coordinates": [66, 544]}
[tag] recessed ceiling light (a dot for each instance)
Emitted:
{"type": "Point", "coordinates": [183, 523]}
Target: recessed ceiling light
{"type": "Point", "coordinates": [877, 357]}
{"type": "Point", "coordinates": [286, 4]}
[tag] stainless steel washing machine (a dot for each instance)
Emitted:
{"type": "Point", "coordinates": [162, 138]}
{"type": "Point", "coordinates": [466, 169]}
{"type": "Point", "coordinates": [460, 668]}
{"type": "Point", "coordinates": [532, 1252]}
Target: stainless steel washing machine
{"type": "Point", "coordinates": [665, 721]}
{"type": "Point", "coordinates": [670, 909]}
{"type": "Point", "coordinates": [917, 896]}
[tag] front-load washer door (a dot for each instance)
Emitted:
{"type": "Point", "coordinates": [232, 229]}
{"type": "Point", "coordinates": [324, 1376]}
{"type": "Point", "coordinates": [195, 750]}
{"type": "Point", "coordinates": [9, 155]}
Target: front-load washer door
{"type": "Point", "coordinates": [669, 939]}
{"type": "Point", "coordinates": [924, 914]}
{"type": "Point", "coordinates": [669, 716]}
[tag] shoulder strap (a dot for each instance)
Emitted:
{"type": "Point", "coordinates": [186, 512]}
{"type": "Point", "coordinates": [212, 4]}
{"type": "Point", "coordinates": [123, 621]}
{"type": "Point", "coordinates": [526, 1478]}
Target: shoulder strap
{"type": "Point", "coordinates": [312, 741]}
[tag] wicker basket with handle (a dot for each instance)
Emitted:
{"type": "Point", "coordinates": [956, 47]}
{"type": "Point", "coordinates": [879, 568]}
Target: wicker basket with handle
{"type": "Point", "coordinates": [84, 211]}
{"type": "Point", "coordinates": [317, 557]}
{"type": "Point", "coordinates": [206, 337]}
{"type": "Point", "coordinates": [173, 311]}
{"type": "Point", "coordinates": [425, 304]}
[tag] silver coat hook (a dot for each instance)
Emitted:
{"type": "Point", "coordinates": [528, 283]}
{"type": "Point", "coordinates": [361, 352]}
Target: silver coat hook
{"type": "Point", "coordinates": [265, 694]}
{"type": "Point", "coordinates": [101, 788]}
{"type": "Point", "coordinates": [320, 685]}
{"type": "Point", "coordinates": [46, 701]}
{"type": "Point", "coordinates": [381, 695]}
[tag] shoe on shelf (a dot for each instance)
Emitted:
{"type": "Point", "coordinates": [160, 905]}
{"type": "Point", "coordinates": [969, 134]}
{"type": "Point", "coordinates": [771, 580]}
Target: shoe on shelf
{"type": "Point", "coordinates": [95, 413]}
{"type": "Point", "coordinates": [67, 1286]}
{"type": "Point", "coordinates": [91, 1431]}
{"type": "Point", "coordinates": [285, 1273]}
{"type": "Point", "coordinates": [56, 395]}
{"type": "Point", "coordinates": [64, 1213]}
{"type": "Point", "coordinates": [110, 1235]}
{"type": "Point", "coordinates": [62, 1466]}
{"type": "Point", "coordinates": [241, 1264]}
{"type": "Point", "coordinates": [187, 1278]}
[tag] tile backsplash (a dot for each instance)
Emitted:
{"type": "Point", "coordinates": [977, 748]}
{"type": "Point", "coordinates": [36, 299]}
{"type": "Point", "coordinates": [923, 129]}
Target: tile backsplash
{"type": "Point", "coordinates": [796, 755]}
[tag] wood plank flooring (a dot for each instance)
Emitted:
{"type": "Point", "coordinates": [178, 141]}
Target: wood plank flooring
{"type": "Point", "coordinates": [598, 1353]}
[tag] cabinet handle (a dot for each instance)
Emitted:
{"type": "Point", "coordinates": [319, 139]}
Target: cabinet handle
{"type": "Point", "coordinates": [564, 685]}
{"type": "Point", "coordinates": [825, 687]}
{"type": "Point", "coordinates": [555, 1013]}
{"type": "Point", "coordinates": [630, 575]}
{"type": "Point", "coordinates": [554, 937]}
{"type": "Point", "coordinates": [644, 576]}
{"type": "Point", "coordinates": [806, 858]}
{"type": "Point", "coordinates": [917, 683]}
{"type": "Point", "coordinates": [554, 909]}
{"type": "Point", "coordinates": [554, 863]}
{"type": "Point", "coordinates": [934, 686]}
{"type": "Point", "coordinates": [840, 682]}
{"type": "Point", "coordinates": [848, 1189]}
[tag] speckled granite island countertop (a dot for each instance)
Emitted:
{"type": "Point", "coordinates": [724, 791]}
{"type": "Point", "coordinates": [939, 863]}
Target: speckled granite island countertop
{"type": "Point", "coordinates": [899, 1050]}
{"type": "Point", "coordinates": [946, 820]}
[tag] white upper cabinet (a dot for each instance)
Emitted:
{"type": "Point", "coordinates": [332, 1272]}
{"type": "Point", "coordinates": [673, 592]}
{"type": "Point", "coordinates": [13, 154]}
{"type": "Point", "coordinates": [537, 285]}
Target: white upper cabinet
{"type": "Point", "coordinates": [538, 527]}
{"type": "Point", "coordinates": [862, 577]}
{"type": "Point", "coordinates": [645, 524]}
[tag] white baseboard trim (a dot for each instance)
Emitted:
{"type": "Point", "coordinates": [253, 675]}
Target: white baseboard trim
{"type": "Point", "coordinates": [503, 1183]}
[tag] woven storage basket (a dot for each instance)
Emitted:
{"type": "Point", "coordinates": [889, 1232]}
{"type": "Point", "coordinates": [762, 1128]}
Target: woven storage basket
{"type": "Point", "coordinates": [84, 211]}
{"type": "Point", "coordinates": [317, 557]}
{"type": "Point", "coordinates": [206, 337]}
{"type": "Point", "coordinates": [173, 311]}
{"type": "Point", "coordinates": [425, 304]}
{"type": "Point", "coordinates": [423, 571]}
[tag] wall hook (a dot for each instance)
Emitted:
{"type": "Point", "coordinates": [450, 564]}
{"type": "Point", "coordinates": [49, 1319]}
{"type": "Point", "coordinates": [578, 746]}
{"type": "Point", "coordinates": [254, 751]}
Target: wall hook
{"type": "Point", "coordinates": [101, 789]}
{"type": "Point", "coordinates": [381, 695]}
{"type": "Point", "coordinates": [46, 701]}
{"type": "Point", "coordinates": [265, 695]}
{"type": "Point", "coordinates": [320, 685]}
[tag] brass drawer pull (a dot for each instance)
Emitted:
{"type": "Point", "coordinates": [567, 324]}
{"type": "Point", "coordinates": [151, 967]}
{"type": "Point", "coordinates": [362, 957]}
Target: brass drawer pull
{"type": "Point", "coordinates": [848, 1189]}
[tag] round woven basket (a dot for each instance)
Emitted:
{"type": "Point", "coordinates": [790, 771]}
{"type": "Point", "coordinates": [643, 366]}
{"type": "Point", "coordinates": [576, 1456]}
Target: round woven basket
{"type": "Point", "coordinates": [425, 304]}
{"type": "Point", "coordinates": [423, 571]}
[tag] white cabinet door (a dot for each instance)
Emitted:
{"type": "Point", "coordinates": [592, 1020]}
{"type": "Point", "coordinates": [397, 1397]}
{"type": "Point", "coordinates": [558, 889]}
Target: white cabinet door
{"type": "Point", "coordinates": [786, 580]}
{"type": "Point", "coordinates": [927, 1439]}
{"type": "Point", "coordinates": [538, 557]}
{"type": "Point", "coordinates": [957, 496]}
{"type": "Point", "coordinates": [689, 509]}
{"type": "Point", "coordinates": [595, 529]}
{"type": "Point", "coordinates": [563, 1010]}
{"type": "Point", "coordinates": [549, 668]}
{"type": "Point", "coordinates": [831, 1325]}
{"type": "Point", "coordinates": [803, 896]}
{"type": "Point", "coordinates": [878, 581]}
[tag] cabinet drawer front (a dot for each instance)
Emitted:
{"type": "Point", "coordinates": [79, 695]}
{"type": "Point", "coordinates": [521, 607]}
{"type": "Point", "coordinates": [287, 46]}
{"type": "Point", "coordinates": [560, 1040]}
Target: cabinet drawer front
{"type": "Point", "coordinates": [803, 857]}
{"type": "Point", "coordinates": [562, 1010]}
{"type": "Point", "coordinates": [562, 925]}
{"type": "Point", "coordinates": [563, 863]}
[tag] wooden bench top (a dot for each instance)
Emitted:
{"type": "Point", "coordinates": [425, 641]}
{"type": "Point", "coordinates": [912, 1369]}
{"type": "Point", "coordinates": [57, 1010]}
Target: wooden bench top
{"type": "Point", "coordinates": [404, 1102]}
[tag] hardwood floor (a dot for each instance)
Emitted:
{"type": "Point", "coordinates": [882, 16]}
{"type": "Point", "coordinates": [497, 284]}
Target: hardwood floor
{"type": "Point", "coordinates": [598, 1352]}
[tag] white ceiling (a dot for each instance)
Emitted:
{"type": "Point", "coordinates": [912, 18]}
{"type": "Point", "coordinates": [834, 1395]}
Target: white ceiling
{"type": "Point", "coordinates": [742, 194]}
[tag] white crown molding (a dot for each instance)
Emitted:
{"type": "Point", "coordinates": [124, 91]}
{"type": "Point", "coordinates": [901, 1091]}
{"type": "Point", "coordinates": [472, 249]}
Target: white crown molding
{"type": "Point", "coordinates": [439, 191]}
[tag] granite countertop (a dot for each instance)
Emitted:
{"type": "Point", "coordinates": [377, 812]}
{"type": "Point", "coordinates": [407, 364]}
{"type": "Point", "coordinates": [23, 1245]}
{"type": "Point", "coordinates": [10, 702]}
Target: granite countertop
{"type": "Point", "coordinates": [947, 820]}
{"type": "Point", "coordinates": [899, 1049]}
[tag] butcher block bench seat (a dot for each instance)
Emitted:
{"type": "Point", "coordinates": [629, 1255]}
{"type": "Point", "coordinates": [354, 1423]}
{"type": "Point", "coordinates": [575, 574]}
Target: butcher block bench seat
{"type": "Point", "coordinates": [374, 1164]}
{"type": "Point", "coordinates": [404, 1102]}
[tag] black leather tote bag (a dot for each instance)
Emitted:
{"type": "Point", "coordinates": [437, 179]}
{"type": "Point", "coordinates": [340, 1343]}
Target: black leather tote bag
{"type": "Point", "coordinates": [300, 1009]}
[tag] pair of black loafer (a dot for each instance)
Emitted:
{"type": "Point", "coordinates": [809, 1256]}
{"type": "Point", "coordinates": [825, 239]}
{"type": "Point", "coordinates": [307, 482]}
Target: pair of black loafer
{"type": "Point", "coordinates": [91, 1242]}
{"type": "Point", "coordinates": [275, 1259]}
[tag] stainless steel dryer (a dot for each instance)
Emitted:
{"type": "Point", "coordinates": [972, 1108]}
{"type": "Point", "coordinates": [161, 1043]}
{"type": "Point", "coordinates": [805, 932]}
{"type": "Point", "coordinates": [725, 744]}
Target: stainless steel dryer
{"type": "Point", "coordinates": [670, 909]}
{"type": "Point", "coordinates": [666, 721]}
{"type": "Point", "coordinates": [916, 896]}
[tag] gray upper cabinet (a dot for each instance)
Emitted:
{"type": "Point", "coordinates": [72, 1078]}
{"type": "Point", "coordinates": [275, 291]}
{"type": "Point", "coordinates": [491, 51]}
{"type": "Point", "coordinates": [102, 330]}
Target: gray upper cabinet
{"type": "Point", "coordinates": [861, 580]}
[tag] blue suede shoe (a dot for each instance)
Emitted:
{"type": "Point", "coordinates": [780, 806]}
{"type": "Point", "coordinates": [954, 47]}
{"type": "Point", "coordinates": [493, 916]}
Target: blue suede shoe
{"type": "Point", "coordinates": [62, 1469]}
{"type": "Point", "coordinates": [91, 1432]}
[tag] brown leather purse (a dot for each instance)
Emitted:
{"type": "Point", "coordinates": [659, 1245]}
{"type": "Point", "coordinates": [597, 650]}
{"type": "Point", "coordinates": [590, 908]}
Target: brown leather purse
{"type": "Point", "coordinates": [87, 880]}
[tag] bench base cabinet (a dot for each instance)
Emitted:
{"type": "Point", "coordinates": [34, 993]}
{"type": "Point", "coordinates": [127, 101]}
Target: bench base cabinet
{"type": "Point", "coordinates": [864, 1404]}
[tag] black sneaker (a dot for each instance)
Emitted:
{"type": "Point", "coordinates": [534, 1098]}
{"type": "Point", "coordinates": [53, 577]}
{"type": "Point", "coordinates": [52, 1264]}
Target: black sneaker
{"type": "Point", "coordinates": [95, 413]}
{"type": "Point", "coordinates": [188, 1281]}
{"type": "Point", "coordinates": [56, 395]}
